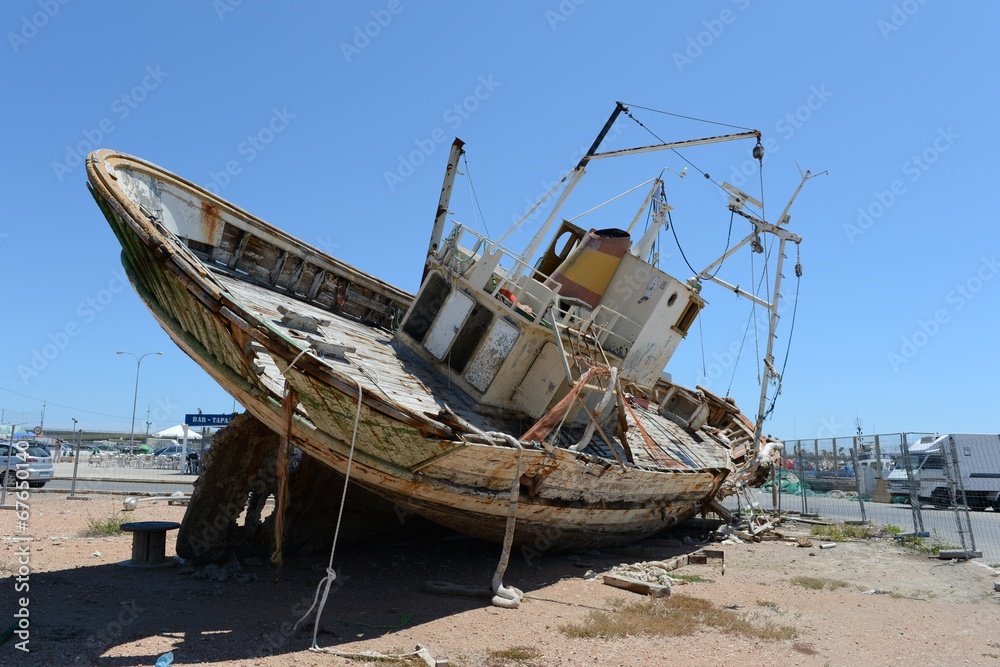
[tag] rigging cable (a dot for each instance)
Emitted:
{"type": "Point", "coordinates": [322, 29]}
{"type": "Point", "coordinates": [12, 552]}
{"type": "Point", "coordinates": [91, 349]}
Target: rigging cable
{"type": "Point", "coordinates": [791, 330]}
{"type": "Point", "coordinates": [760, 173]}
{"type": "Point", "coordinates": [670, 221]}
{"type": "Point", "coordinates": [700, 120]}
{"type": "Point", "coordinates": [729, 238]}
{"type": "Point", "coordinates": [701, 171]}
{"type": "Point", "coordinates": [649, 215]}
{"type": "Point", "coordinates": [475, 197]}
{"type": "Point", "coordinates": [753, 314]}
{"type": "Point", "coordinates": [739, 354]}
{"type": "Point", "coordinates": [701, 336]}
{"type": "Point", "coordinates": [766, 283]}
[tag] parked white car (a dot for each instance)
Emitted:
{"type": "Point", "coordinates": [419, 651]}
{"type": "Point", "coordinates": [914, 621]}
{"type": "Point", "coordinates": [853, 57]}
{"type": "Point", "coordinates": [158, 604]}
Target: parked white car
{"type": "Point", "coordinates": [26, 456]}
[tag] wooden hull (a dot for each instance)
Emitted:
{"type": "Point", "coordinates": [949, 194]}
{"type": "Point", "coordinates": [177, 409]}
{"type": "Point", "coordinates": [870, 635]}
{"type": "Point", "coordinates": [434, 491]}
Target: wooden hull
{"type": "Point", "coordinates": [214, 276]}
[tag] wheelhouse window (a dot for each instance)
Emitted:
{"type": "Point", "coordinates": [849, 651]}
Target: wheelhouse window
{"type": "Point", "coordinates": [687, 317]}
{"type": "Point", "coordinates": [468, 338]}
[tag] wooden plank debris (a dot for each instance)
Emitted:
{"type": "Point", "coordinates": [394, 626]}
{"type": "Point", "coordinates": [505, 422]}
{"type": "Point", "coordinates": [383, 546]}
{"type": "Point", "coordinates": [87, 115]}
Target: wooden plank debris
{"type": "Point", "coordinates": [961, 554]}
{"type": "Point", "coordinates": [429, 659]}
{"type": "Point", "coordinates": [636, 586]}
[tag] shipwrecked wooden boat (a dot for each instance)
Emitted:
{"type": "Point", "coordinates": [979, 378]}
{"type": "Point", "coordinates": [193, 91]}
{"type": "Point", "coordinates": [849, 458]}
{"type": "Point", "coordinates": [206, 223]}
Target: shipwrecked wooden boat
{"type": "Point", "coordinates": [506, 392]}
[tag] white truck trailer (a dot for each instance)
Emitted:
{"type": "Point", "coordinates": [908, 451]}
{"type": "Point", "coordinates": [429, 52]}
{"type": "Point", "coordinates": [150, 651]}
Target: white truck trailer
{"type": "Point", "coordinates": [978, 459]}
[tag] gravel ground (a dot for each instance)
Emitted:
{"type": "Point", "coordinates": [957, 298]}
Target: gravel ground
{"type": "Point", "coordinates": [897, 607]}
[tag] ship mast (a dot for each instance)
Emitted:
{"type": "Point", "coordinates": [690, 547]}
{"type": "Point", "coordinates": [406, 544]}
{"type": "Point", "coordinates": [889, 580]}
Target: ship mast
{"type": "Point", "coordinates": [444, 200]}
{"type": "Point", "coordinates": [737, 201]}
{"type": "Point", "coordinates": [573, 177]}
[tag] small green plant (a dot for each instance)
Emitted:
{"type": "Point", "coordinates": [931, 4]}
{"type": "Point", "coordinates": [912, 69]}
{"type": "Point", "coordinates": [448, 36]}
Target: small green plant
{"type": "Point", "coordinates": [818, 584]}
{"type": "Point", "coordinates": [691, 578]}
{"type": "Point", "coordinates": [838, 533]}
{"type": "Point", "coordinates": [921, 545]}
{"type": "Point", "coordinates": [890, 529]}
{"type": "Point", "coordinates": [674, 616]}
{"type": "Point", "coordinates": [102, 526]}
{"type": "Point", "coordinates": [520, 655]}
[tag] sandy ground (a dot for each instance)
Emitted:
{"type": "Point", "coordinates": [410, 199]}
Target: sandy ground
{"type": "Point", "coordinates": [86, 609]}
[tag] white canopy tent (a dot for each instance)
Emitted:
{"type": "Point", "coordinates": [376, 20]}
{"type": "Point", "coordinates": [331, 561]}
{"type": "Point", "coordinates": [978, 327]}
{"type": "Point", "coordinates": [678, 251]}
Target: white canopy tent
{"type": "Point", "coordinates": [178, 432]}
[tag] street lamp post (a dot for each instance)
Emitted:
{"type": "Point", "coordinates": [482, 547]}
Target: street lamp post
{"type": "Point", "coordinates": [135, 397]}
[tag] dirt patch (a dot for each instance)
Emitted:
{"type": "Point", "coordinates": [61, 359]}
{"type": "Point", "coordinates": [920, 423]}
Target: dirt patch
{"type": "Point", "coordinates": [876, 603]}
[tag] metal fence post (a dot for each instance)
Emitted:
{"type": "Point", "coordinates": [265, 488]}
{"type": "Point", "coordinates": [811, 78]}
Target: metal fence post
{"type": "Point", "coordinates": [775, 491]}
{"type": "Point", "coordinates": [956, 491]}
{"type": "Point", "coordinates": [76, 467]}
{"type": "Point", "coordinates": [857, 481]}
{"type": "Point", "coordinates": [918, 519]}
{"type": "Point", "coordinates": [878, 458]}
{"type": "Point", "coordinates": [802, 478]}
{"type": "Point", "coordinates": [816, 456]}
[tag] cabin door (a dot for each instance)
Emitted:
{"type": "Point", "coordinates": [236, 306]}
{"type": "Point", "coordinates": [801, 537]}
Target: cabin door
{"type": "Point", "coordinates": [448, 323]}
{"type": "Point", "coordinates": [540, 382]}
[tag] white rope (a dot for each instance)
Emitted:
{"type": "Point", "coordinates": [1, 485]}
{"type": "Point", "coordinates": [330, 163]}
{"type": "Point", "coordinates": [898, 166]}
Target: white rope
{"type": "Point", "coordinates": [508, 597]}
{"type": "Point", "coordinates": [295, 360]}
{"type": "Point", "coordinates": [331, 574]}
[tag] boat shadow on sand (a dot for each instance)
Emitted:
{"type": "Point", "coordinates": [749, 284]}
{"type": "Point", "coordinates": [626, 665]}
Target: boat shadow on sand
{"type": "Point", "coordinates": [249, 610]}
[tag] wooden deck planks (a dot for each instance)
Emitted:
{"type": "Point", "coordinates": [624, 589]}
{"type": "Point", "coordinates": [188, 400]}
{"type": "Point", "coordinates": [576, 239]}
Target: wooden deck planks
{"type": "Point", "coordinates": [380, 365]}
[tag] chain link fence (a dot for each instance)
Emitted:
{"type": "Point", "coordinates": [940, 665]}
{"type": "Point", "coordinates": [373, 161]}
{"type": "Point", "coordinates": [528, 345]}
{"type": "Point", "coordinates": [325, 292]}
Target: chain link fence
{"type": "Point", "coordinates": [82, 465]}
{"type": "Point", "coordinates": [944, 488]}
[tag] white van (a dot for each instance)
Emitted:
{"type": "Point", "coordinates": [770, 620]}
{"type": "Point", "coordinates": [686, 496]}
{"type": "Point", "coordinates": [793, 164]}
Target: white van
{"type": "Point", "coordinates": [978, 463]}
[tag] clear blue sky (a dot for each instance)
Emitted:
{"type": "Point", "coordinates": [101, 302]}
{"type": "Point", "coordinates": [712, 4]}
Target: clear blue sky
{"type": "Point", "coordinates": [301, 113]}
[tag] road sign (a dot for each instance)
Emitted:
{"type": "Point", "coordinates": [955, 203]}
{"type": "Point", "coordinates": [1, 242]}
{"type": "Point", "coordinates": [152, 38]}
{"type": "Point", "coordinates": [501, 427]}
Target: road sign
{"type": "Point", "coordinates": [208, 420]}
{"type": "Point", "coordinates": [37, 430]}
